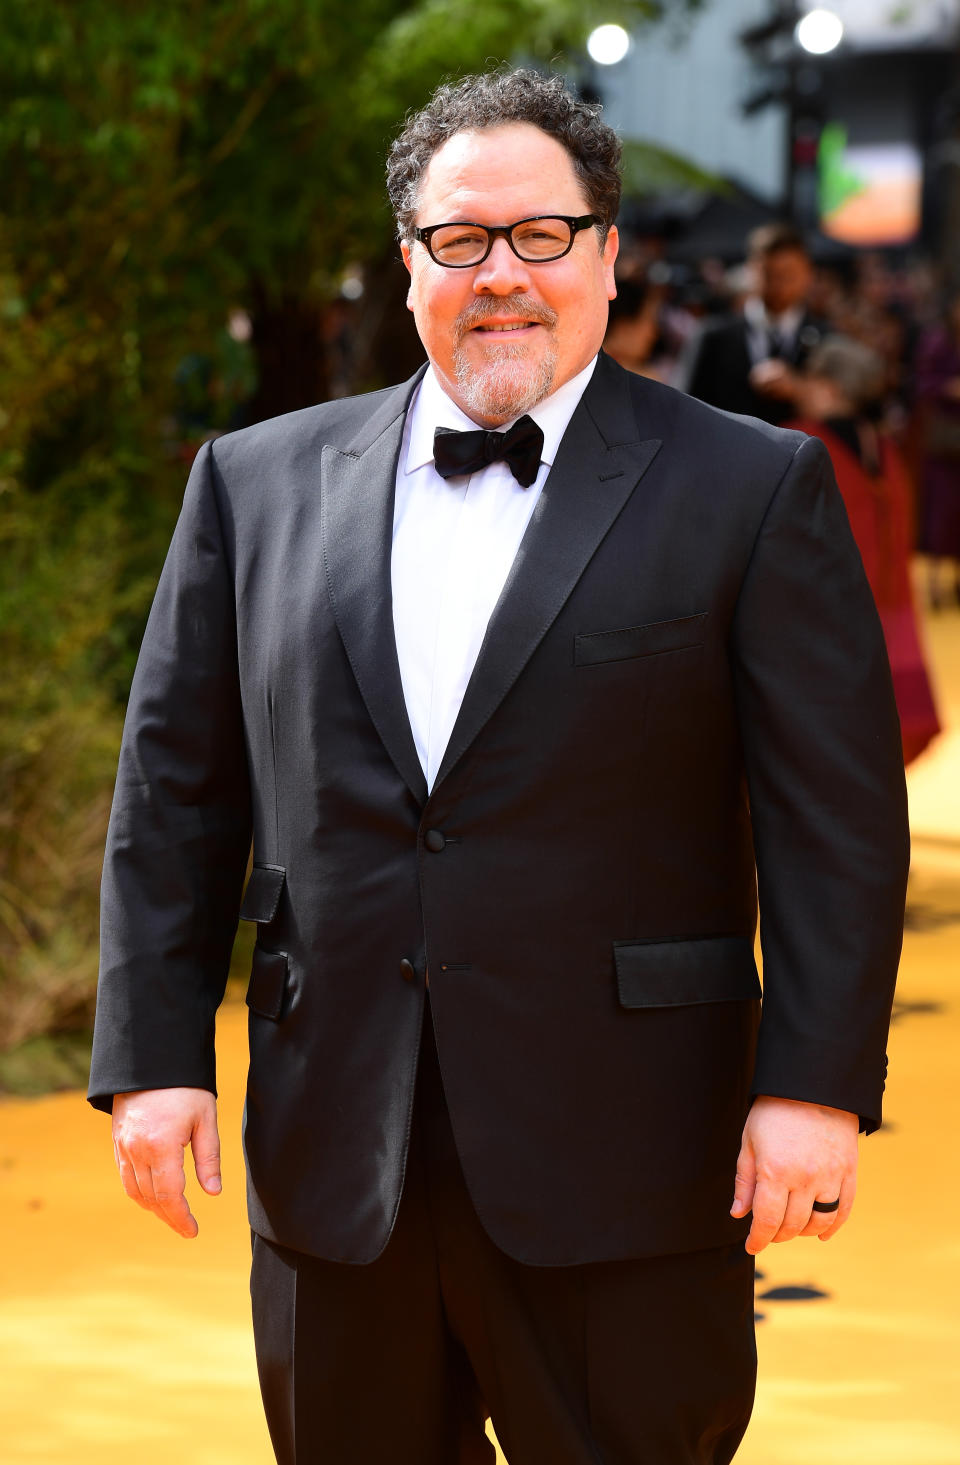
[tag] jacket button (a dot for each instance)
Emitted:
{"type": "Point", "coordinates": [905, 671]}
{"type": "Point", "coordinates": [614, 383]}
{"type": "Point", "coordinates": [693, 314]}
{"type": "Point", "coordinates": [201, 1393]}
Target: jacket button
{"type": "Point", "coordinates": [407, 970]}
{"type": "Point", "coordinates": [434, 840]}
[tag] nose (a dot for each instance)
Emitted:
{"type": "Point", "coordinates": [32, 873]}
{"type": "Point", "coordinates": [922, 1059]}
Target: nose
{"type": "Point", "coordinates": [502, 272]}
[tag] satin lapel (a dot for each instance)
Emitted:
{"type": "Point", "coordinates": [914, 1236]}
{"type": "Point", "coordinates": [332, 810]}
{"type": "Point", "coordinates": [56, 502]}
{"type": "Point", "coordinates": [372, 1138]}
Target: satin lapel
{"type": "Point", "coordinates": [356, 515]}
{"type": "Point", "coordinates": [599, 464]}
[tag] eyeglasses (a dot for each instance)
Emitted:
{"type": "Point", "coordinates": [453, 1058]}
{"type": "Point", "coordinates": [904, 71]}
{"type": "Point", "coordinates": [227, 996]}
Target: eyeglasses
{"type": "Point", "coordinates": [536, 241]}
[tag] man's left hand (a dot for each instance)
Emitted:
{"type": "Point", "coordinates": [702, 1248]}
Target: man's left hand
{"type": "Point", "coordinates": [792, 1155]}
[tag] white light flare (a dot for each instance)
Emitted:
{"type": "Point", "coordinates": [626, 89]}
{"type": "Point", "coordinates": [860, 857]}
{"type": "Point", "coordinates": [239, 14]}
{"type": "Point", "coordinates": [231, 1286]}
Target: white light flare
{"type": "Point", "coordinates": [608, 44]}
{"type": "Point", "coordinates": [819, 31]}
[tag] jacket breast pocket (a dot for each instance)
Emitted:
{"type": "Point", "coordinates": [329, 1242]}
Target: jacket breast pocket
{"type": "Point", "coordinates": [653, 639]}
{"type": "Point", "coordinates": [685, 973]}
{"type": "Point", "coordinates": [267, 987]}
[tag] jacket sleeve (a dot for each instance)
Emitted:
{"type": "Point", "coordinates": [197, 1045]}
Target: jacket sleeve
{"type": "Point", "coordinates": [827, 795]}
{"type": "Point", "coordinates": [179, 830]}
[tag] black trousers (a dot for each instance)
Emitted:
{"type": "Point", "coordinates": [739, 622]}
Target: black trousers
{"type": "Point", "coordinates": [648, 1362]}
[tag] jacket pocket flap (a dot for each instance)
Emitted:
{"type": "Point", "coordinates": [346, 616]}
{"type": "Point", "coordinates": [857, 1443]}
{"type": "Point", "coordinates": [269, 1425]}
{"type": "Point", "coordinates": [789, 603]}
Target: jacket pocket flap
{"type": "Point", "coordinates": [682, 973]}
{"type": "Point", "coordinates": [268, 982]}
{"type": "Point", "coordinates": [649, 640]}
{"type": "Point", "coordinates": [262, 895]}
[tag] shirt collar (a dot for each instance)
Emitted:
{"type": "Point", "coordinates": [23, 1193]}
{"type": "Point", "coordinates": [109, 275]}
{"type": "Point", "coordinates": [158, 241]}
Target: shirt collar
{"type": "Point", "coordinates": [758, 318]}
{"type": "Point", "coordinates": [432, 408]}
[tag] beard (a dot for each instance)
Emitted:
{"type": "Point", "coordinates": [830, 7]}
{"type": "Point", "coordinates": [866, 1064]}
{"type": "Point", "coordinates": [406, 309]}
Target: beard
{"type": "Point", "coordinates": [510, 381]}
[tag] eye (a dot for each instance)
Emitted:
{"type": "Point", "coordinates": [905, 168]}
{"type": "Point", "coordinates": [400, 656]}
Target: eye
{"type": "Point", "coordinates": [542, 229]}
{"type": "Point", "coordinates": [542, 236]}
{"type": "Point", "coordinates": [456, 241]}
{"type": "Point", "coordinates": [460, 239]}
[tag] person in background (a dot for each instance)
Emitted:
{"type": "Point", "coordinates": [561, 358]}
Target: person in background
{"type": "Point", "coordinates": [750, 362]}
{"type": "Point", "coordinates": [633, 328]}
{"type": "Point", "coordinates": [839, 396]}
{"type": "Point", "coordinates": [937, 386]}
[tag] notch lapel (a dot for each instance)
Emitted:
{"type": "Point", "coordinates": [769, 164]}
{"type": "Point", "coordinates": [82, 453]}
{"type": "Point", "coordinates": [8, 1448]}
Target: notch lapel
{"type": "Point", "coordinates": [357, 491]}
{"type": "Point", "coordinates": [599, 464]}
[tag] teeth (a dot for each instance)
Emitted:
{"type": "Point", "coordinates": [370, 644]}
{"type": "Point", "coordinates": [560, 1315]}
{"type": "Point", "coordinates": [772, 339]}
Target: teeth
{"type": "Point", "coordinates": [519, 326]}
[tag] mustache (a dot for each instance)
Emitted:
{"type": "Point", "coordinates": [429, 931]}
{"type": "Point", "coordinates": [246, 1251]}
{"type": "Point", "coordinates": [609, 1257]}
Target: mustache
{"type": "Point", "coordinates": [486, 306]}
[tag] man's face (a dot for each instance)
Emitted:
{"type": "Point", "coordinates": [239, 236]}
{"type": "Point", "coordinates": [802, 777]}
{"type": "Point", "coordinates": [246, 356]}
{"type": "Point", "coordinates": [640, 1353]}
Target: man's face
{"type": "Point", "coordinates": [783, 279]}
{"type": "Point", "coordinates": [555, 312]}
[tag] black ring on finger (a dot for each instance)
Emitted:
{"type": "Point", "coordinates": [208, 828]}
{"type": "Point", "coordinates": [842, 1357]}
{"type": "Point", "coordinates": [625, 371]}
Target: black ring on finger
{"type": "Point", "coordinates": [827, 1205]}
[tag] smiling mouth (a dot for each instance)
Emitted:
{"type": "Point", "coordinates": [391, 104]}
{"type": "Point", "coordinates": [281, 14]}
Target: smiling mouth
{"type": "Point", "coordinates": [517, 325]}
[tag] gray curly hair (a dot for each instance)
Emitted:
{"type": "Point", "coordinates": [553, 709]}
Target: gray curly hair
{"type": "Point", "coordinates": [856, 369]}
{"type": "Point", "coordinates": [489, 100]}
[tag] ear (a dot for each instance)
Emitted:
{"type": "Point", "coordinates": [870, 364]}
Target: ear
{"type": "Point", "coordinates": [610, 251]}
{"type": "Point", "coordinates": [408, 261]}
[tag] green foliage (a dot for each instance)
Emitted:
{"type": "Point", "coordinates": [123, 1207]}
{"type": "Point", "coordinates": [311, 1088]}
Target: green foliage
{"type": "Point", "coordinates": [650, 169]}
{"type": "Point", "coordinates": [45, 1063]}
{"type": "Point", "coordinates": [164, 163]}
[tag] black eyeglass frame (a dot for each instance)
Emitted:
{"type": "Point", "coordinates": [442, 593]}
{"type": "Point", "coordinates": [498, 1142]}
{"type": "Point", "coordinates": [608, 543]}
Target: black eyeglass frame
{"type": "Point", "coordinates": [575, 223]}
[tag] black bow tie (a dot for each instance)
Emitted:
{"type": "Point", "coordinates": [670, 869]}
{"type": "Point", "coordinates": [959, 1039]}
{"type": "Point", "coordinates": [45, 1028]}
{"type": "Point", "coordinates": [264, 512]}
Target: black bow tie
{"type": "Point", "coordinates": [465, 452]}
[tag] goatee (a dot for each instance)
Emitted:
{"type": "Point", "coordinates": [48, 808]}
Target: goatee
{"type": "Point", "coordinates": [509, 383]}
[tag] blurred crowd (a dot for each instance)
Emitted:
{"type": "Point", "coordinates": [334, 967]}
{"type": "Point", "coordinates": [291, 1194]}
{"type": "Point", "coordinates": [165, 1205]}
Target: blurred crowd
{"type": "Point", "coordinates": [859, 353]}
{"type": "Point", "coordinates": [853, 349]}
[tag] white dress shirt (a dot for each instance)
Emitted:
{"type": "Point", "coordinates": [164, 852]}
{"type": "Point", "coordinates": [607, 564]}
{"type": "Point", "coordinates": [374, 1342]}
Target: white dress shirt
{"type": "Point", "coordinates": [760, 323]}
{"type": "Point", "coordinates": [454, 541]}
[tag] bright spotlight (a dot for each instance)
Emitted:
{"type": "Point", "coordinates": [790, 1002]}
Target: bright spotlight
{"type": "Point", "coordinates": [608, 44]}
{"type": "Point", "coordinates": [819, 31]}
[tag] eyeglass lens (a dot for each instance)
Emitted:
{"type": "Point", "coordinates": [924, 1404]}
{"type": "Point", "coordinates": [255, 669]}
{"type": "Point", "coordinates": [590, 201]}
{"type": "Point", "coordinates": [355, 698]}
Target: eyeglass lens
{"type": "Point", "coordinates": [533, 239]}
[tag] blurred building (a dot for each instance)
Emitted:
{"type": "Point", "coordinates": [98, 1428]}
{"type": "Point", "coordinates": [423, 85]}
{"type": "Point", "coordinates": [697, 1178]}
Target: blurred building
{"type": "Point", "coordinates": [862, 142]}
{"type": "Point", "coordinates": [681, 86]}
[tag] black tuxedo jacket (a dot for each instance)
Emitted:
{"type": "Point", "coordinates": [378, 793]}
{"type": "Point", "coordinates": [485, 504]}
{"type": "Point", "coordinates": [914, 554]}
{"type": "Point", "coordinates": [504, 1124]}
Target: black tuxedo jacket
{"type": "Point", "coordinates": [720, 366]}
{"type": "Point", "coordinates": [683, 685]}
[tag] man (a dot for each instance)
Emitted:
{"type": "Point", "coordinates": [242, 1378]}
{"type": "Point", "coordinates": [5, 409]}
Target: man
{"type": "Point", "coordinates": [515, 720]}
{"type": "Point", "coordinates": [750, 362]}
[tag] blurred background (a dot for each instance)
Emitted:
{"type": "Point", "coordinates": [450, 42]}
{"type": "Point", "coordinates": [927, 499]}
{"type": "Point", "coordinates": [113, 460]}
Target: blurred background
{"type": "Point", "coordinates": [194, 235]}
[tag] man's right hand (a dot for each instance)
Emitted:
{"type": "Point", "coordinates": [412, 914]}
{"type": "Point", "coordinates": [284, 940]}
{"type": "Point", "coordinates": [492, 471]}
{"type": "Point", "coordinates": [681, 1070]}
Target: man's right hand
{"type": "Point", "coordinates": [774, 378]}
{"type": "Point", "coordinates": [151, 1130]}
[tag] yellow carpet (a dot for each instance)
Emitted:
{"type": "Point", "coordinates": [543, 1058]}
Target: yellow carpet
{"type": "Point", "coordinates": [120, 1342]}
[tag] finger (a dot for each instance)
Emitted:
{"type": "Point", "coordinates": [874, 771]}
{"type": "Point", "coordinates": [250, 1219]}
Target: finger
{"type": "Point", "coordinates": [769, 1207]}
{"type": "Point", "coordinates": [820, 1221]}
{"type": "Point", "coordinates": [797, 1215]}
{"type": "Point", "coordinates": [848, 1191]}
{"type": "Point", "coordinates": [745, 1183]}
{"type": "Point", "coordinates": [160, 1178]}
{"type": "Point", "coordinates": [169, 1181]}
{"type": "Point", "coordinates": [128, 1177]}
{"type": "Point", "coordinates": [143, 1179]}
{"type": "Point", "coordinates": [205, 1144]}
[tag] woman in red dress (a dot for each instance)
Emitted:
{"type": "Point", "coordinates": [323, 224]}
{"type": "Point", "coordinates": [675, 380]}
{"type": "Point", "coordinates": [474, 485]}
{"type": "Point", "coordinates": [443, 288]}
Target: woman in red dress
{"type": "Point", "coordinates": [842, 382]}
{"type": "Point", "coordinates": [938, 401]}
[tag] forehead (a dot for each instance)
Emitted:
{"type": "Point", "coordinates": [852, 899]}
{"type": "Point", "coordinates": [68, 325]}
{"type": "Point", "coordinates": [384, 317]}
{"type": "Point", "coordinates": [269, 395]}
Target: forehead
{"type": "Point", "coordinates": [499, 174]}
{"type": "Point", "coordinates": [784, 259]}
